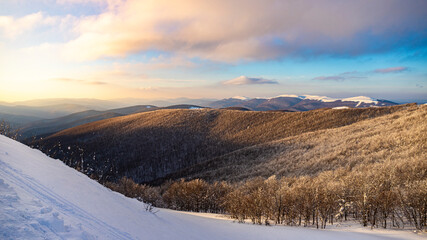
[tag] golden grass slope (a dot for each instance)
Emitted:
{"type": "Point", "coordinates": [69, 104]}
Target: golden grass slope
{"type": "Point", "coordinates": [148, 146]}
{"type": "Point", "coordinates": [391, 139]}
{"type": "Point", "coordinates": [240, 127]}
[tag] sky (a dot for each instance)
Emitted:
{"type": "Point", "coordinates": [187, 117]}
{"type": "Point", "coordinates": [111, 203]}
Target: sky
{"type": "Point", "coordinates": [120, 49]}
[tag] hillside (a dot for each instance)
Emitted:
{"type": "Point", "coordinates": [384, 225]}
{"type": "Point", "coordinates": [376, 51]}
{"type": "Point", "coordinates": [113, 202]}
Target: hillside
{"type": "Point", "coordinates": [17, 121]}
{"type": "Point", "coordinates": [45, 127]}
{"type": "Point", "coordinates": [398, 139]}
{"type": "Point", "coordinates": [43, 112]}
{"type": "Point", "coordinates": [148, 146]}
{"type": "Point", "coordinates": [41, 198]}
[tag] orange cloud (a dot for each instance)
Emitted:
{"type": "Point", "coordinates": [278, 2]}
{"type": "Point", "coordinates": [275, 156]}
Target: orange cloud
{"type": "Point", "coordinates": [236, 30]}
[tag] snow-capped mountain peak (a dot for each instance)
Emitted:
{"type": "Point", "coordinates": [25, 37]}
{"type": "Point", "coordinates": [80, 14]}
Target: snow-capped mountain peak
{"type": "Point", "coordinates": [318, 98]}
{"type": "Point", "coordinates": [294, 102]}
{"type": "Point", "coordinates": [241, 98]}
{"type": "Point", "coordinates": [287, 95]}
{"type": "Point", "coordinates": [362, 99]}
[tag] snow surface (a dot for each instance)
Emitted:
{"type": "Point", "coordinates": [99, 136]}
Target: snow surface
{"type": "Point", "coordinates": [318, 98]}
{"type": "Point", "coordinates": [359, 99]}
{"type": "Point", "coordinates": [41, 198]}
{"type": "Point", "coordinates": [195, 108]}
{"type": "Point", "coordinates": [342, 107]}
{"type": "Point", "coordinates": [241, 98]}
{"type": "Point", "coordinates": [287, 95]}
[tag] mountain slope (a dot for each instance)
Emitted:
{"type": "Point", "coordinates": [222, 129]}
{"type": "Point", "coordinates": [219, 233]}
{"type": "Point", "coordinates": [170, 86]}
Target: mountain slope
{"type": "Point", "coordinates": [41, 198]}
{"type": "Point", "coordinates": [17, 121]}
{"type": "Point", "coordinates": [50, 126]}
{"type": "Point", "coordinates": [44, 112]}
{"type": "Point", "coordinates": [47, 127]}
{"type": "Point", "coordinates": [398, 138]}
{"type": "Point", "coordinates": [148, 146]}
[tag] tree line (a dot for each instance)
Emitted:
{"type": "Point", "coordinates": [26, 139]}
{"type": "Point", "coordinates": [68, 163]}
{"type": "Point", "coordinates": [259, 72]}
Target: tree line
{"type": "Point", "coordinates": [390, 195]}
{"type": "Point", "coordinates": [7, 130]}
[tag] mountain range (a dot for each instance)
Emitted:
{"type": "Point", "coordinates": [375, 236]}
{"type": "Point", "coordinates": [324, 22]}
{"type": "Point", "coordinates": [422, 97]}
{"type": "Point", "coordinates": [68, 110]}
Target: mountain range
{"type": "Point", "coordinates": [152, 145]}
{"type": "Point", "coordinates": [298, 103]}
{"type": "Point", "coordinates": [21, 114]}
{"type": "Point", "coordinates": [41, 119]}
{"type": "Point", "coordinates": [45, 127]}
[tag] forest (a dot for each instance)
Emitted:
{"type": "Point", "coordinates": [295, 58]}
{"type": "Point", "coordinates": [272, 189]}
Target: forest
{"type": "Point", "coordinates": [382, 195]}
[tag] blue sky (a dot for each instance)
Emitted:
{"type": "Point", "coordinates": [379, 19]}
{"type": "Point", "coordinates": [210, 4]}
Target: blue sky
{"type": "Point", "coordinates": [169, 49]}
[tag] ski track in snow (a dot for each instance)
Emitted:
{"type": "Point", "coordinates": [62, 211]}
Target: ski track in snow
{"type": "Point", "coordinates": [48, 197]}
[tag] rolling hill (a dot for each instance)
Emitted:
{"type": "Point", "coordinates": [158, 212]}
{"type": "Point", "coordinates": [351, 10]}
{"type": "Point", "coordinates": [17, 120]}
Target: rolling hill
{"type": "Point", "coordinates": [47, 127]}
{"type": "Point", "coordinates": [17, 121]}
{"type": "Point", "coordinates": [151, 145]}
{"type": "Point", "coordinates": [397, 138]}
{"type": "Point", "coordinates": [43, 112]}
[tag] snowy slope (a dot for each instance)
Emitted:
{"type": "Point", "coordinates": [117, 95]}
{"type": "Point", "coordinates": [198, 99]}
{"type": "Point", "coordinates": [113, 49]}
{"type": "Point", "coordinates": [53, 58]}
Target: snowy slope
{"type": "Point", "coordinates": [358, 99]}
{"type": "Point", "coordinates": [318, 98]}
{"type": "Point", "coordinates": [41, 198]}
{"type": "Point", "coordinates": [241, 98]}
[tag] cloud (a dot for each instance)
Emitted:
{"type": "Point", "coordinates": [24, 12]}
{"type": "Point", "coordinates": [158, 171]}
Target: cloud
{"type": "Point", "coordinates": [230, 31]}
{"type": "Point", "coordinates": [360, 75]}
{"type": "Point", "coordinates": [97, 83]}
{"type": "Point", "coordinates": [332, 78]}
{"type": "Point", "coordinates": [12, 27]}
{"type": "Point", "coordinates": [79, 81]}
{"type": "Point", "coordinates": [109, 3]}
{"type": "Point", "coordinates": [391, 70]}
{"type": "Point", "coordinates": [341, 77]}
{"type": "Point", "coordinates": [243, 80]}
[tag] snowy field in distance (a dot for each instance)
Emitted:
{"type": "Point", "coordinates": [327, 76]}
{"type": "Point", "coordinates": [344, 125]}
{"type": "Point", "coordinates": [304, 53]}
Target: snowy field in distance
{"type": "Point", "coordinates": [41, 198]}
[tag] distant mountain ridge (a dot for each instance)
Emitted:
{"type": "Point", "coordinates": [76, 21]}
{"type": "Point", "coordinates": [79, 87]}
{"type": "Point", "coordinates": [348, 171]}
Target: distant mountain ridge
{"type": "Point", "coordinates": [299, 103]}
{"type": "Point", "coordinates": [43, 112]}
{"type": "Point", "coordinates": [45, 127]}
{"type": "Point", "coordinates": [47, 116]}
